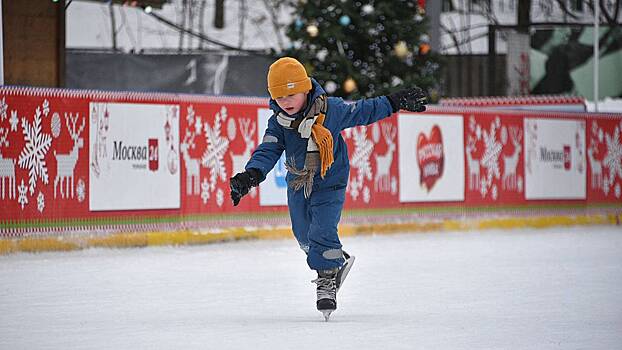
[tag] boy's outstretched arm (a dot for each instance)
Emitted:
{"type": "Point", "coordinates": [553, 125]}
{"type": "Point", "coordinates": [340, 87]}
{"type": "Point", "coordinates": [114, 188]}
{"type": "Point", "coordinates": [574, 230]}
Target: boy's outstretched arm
{"type": "Point", "coordinates": [368, 111]}
{"type": "Point", "coordinates": [261, 162]}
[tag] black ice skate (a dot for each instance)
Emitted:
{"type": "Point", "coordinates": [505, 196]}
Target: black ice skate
{"type": "Point", "coordinates": [328, 284]}
{"type": "Point", "coordinates": [326, 292]}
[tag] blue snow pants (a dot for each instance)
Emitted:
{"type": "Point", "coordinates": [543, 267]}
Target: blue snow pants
{"type": "Point", "coordinates": [314, 222]}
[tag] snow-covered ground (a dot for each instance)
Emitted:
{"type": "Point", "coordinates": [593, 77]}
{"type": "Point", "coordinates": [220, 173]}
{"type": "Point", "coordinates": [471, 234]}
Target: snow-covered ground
{"type": "Point", "coordinates": [557, 288]}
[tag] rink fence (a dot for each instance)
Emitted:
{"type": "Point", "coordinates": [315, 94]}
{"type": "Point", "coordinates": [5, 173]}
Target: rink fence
{"type": "Point", "coordinates": [95, 168]}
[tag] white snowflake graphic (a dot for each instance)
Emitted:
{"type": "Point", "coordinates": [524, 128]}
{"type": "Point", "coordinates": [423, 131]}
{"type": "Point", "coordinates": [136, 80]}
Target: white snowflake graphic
{"type": "Point", "coordinates": [40, 202]}
{"type": "Point", "coordinates": [4, 141]}
{"type": "Point", "coordinates": [198, 125]}
{"type": "Point", "coordinates": [217, 146]}
{"type": "Point", "coordinates": [46, 107]}
{"type": "Point", "coordinates": [56, 125]}
{"type": "Point", "coordinates": [33, 155]}
{"type": "Point", "coordinates": [354, 188]}
{"type": "Point", "coordinates": [366, 194]}
{"type": "Point", "coordinates": [14, 121]}
{"type": "Point", "coordinates": [220, 197]}
{"type": "Point", "coordinates": [490, 158]}
{"type": "Point", "coordinates": [205, 194]}
{"type": "Point", "coordinates": [22, 199]}
{"type": "Point", "coordinates": [81, 190]}
{"type": "Point", "coordinates": [190, 115]}
{"type": "Point", "coordinates": [3, 108]}
{"type": "Point", "coordinates": [363, 148]}
{"type": "Point", "coordinates": [613, 157]}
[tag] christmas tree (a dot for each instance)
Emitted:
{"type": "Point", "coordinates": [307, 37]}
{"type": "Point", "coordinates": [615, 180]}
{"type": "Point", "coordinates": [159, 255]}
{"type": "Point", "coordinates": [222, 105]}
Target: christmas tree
{"type": "Point", "coordinates": [364, 48]}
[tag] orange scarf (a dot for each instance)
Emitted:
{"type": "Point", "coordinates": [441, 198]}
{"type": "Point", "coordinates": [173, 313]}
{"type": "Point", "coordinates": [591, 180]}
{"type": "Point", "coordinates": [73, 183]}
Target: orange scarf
{"type": "Point", "coordinates": [324, 140]}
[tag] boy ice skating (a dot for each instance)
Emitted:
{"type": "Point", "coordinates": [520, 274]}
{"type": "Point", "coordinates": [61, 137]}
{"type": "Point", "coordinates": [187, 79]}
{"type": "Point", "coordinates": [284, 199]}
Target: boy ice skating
{"type": "Point", "coordinates": [307, 125]}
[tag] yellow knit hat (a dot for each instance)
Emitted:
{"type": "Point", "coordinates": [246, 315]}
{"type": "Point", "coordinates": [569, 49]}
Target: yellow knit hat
{"type": "Point", "coordinates": [287, 77]}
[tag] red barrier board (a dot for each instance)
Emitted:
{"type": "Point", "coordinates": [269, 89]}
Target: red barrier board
{"type": "Point", "coordinates": [65, 157]}
{"type": "Point", "coordinates": [494, 149]}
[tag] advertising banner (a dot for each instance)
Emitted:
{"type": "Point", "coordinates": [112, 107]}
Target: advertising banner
{"type": "Point", "coordinates": [494, 159]}
{"type": "Point", "coordinates": [216, 141]}
{"type": "Point", "coordinates": [431, 157]}
{"type": "Point", "coordinates": [604, 155]}
{"type": "Point", "coordinates": [273, 190]}
{"type": "Point", "coordinates": [43, 157]}
{"type": "Point", "coordinates": [555, 164]}
{"type": "Point", "coordinates": [134, 156]}
{"type": "Point", "coordinates": [373, 164]}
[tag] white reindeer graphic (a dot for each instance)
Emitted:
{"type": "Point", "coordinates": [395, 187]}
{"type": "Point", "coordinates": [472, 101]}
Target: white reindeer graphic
{"type": "Point", "coordinates": [511, 162]}
{"type": "Point", "coordinates": [7, 168]}
{"type": "Point", "coordinates": [597, 168]}
{"type": "Point", "coordinates": [473, 165]}
{"type": "Point", "coordinates": [66, 163]}
{"type": "Point", "coordinates": [382, 180]}
{"type": "Point", "coordinates": [193, 165]}
{"type": "Point", "coordinates": [247, 128]}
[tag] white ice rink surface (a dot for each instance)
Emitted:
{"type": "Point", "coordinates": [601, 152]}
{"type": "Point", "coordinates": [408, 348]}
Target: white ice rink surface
{"type": "Point", "coordinates": [558, 288]}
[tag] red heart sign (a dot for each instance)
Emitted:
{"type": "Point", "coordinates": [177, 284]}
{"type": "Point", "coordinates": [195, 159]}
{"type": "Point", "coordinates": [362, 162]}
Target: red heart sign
{"type": "Point", "coordinates": [430, 157]}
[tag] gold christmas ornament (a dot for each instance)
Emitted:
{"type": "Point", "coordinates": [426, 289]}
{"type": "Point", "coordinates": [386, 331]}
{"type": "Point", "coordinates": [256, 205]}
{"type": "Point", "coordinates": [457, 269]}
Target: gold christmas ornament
{"type": "Point", "coordinates": [401, 49]}
{"type": "Point", "coordinates": [349, 85]}
{"type": "Point", "coordinates": [312, 30]}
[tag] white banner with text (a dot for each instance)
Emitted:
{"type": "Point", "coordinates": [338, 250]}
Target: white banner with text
{"type": "Point", "coordinates": [133, 156]}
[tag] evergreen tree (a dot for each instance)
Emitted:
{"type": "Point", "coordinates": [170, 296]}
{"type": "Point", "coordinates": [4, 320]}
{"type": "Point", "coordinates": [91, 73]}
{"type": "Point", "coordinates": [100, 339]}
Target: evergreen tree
{"type": "Point", "coordinates": [358, 48]}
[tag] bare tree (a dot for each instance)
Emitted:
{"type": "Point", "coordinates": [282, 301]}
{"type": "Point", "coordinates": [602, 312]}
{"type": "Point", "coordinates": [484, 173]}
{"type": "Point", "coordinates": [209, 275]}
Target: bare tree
{"type": "Point", "coordinates": [460, 34]}
{"type": "Point", "coordinates": [273, 7]}
{"type": "Point", "coordinates": [202, 22]}
{"type": "Point", "coordinates": [184, 7]}
{"type": "Point", "coordinates": [609, 13]}
{"type": "Point", "coordinates": [243, 13]}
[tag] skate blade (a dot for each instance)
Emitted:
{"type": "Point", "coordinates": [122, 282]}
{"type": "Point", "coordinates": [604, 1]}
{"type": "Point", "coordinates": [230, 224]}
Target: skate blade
{"type": "Point", "coordinates": [326, 314]}
{"type": "Point", "coordinates": [343, 273]}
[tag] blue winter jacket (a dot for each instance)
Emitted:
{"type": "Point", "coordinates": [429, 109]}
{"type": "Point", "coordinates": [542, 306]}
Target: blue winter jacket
{"type": "Point", "coordinates": [339, 116]}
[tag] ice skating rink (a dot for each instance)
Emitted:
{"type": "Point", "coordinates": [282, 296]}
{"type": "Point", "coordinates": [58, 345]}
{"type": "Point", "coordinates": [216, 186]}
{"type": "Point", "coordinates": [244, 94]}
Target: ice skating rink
{"type": "Point", "coordinates": [558, 288]}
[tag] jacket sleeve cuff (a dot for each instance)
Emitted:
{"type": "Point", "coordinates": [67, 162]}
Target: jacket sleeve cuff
{"type": "Point", "coordinates": [394, 105]}
{"type": "Point", "coordinates": [256, 176]}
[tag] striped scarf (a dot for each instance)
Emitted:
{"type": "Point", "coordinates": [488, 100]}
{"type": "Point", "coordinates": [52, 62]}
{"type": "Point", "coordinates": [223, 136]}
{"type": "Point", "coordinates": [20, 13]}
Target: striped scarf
{"type": "Point", "coordinates": [319, 147]}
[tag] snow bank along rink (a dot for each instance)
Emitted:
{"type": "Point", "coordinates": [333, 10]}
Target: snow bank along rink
{"type": "Point", "coordinates": [553, 288]}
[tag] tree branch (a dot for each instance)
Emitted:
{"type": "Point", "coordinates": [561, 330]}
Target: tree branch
{"type": "Point", "coordinates": [562, 5]}
{"type": "Point", "coordinates": [274, 19]}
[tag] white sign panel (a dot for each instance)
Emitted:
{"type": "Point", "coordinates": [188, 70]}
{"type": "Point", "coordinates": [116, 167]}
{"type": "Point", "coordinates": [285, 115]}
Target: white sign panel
{"type": "Point", "coordinates": [555, 159]}
{"type": "Point", "coordinates": [431, 157]}
{"type": "Point", "coordinates": [273, 190]}
{"type": "Point", "coordinates": [134, 156]}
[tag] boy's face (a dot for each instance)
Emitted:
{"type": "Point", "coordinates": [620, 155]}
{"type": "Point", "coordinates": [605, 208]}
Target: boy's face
{"type": "Point", "coordinates": [292, 104]}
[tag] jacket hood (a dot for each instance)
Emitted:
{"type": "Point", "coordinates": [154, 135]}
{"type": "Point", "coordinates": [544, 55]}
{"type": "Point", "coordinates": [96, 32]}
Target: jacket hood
{"type": "Point", "coordinates": [316, 90]}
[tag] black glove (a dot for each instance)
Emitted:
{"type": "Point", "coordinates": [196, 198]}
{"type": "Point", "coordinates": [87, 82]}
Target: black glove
{"type": "Point", "coordinates": [242, 182]}
{"type": "Point", "coordinates": [412, 99]}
